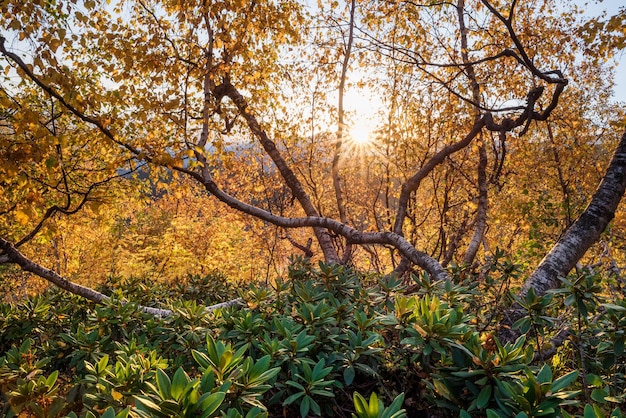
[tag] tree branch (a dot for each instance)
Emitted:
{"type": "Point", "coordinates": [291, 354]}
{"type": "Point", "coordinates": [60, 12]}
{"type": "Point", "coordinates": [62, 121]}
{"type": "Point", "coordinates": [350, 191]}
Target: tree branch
{"type": "Point", "coordinates": [13, 255]}
{"type": "Point", "coordinates": [339, 195]}
{"type": "Point", "coordinates": [290, 178]}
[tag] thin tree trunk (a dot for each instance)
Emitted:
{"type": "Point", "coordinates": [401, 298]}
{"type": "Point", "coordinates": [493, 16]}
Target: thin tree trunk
{"type": "Point", "coordinates": [483, 204]}
{"type": "Point", "coordinates": [341, 124]}
{"type": "Point", "coordinates": [481, 212]}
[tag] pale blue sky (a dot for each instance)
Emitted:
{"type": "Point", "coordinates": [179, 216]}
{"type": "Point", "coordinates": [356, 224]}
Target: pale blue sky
{"type": "Point", "coordinates": [595, 8]}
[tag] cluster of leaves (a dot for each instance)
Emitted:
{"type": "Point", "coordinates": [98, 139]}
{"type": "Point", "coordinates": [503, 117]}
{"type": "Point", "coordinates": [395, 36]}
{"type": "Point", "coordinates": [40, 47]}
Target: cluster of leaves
{"type": "Point", "coordinates": [309, 346]}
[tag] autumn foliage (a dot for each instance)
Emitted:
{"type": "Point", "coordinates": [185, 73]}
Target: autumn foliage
{"type": "Point", "coordinates": [175, 143]}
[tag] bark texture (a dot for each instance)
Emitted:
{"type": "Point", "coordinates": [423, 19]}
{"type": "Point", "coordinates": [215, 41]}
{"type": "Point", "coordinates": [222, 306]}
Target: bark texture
{"type": "Point", "coordinates": [577, 239]}
{"type": "Point", "coordinates": [586, 230]}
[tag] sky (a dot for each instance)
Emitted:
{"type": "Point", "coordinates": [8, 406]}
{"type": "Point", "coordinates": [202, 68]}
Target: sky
{"type": "Point", "coordinates": [362, 107]}
{"type": "Point", "coordinates": [595, 8]}
{"type": "Point", "coordinates": [620, 81]}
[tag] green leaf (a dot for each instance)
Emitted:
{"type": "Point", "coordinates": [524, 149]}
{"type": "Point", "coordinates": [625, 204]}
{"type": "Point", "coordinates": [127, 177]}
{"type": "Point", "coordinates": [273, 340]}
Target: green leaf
{"type": "Point", "coordinates": [266, 375]}
{"type": "Point", "coordinates": [589, 412]}
{"type": "Point", "coordinates": [505, 389]}
{"type": "Point", "coordinates": [102, 364]}
{"type": "Point", "coordinates": [319, 371]}
{"type": "Point", "coordinates": [523, 324]}
{"type": "Point", "coordinates": [259, 367]}
{"type": "Point", "coordinates": [394, 411]}
{"type": "Point", "coordinates": [291, 399]}
{"type": "Point", "coordinates": [51, 380]}
{"type": "Point", "coordinates": [202, 359]}
{"type": "Point", "coordinates": [148, 405]}
{"type": "Point", "coordinates": [564, 381]}
{"type": "Point", "coordinates": [594, 380]}
{"type": "Point", "coordinates": [294, 385]}
{"type": "Point", "coordinates": [619, 346]}
{"type": "Point", "coordinates": [483, 397]}
{"type": "Point", "coordinates": [315, 407]}
{"type": "Point", "coordinates": [373, 407]}
{"type": "Point", "coordinates": [598, 411]}
{"type": "Point", "coordinates": [443, 390]}
{"type": "Point", "coordinates": [163, 383]}
{"type": "Point", "coordinates": [109, 413]}
{"type": "Point", "coordinates": [360, 404]}
{"type": "Point", "coordinates": [210, 402]}
{"type": "Point", "coordinates": [598, 395]}
{"type": "Point", "coordinates": [348, 375]}
{"type": "Point", "coordinates": [545, 374]}
{"type": "Point", "coordinates": [305, 406]}
{"type": "Point", "coordinates": [613, 307]}
{"type": "Point", "coordinates": [170, 407]}
{"type": "Point", "coordinates": [321, 392]}
{"type": "Point", "coordinates": [179, 383]}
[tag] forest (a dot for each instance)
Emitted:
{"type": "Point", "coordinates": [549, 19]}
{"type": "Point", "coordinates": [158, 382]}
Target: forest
{"type": "Point", "coordinates": [299, 208]}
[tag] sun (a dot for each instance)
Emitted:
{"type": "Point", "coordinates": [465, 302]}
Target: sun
{"type": "Point", "coordinates": [361, 133]}
{"type": "Point", "coordinates": [362, 116]}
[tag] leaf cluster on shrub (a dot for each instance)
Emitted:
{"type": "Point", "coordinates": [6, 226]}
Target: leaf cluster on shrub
{"type": "Point", "coordinates": [326, 341]}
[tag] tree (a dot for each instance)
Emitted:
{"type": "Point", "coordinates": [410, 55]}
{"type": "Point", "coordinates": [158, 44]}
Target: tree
{"type": "Point", "coordinates": [213, 93]}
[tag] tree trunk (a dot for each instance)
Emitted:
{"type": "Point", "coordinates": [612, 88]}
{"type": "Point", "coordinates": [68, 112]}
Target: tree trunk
{"type": "Point", "coordinates": [339, 194]}
{"type": "Point", "coordinates": [577, 239]}
{"type": "Point", "coordinates": [483, 202]}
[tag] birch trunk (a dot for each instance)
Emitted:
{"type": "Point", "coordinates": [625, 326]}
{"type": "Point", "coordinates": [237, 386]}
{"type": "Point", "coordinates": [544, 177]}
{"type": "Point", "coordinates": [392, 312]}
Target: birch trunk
{"type": "Point", "coordinates": [577, 239]}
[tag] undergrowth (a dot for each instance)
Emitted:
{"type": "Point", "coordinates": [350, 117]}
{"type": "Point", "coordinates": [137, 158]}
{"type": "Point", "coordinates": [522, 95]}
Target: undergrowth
{"type": "Point", "coordinates": [325, 341]}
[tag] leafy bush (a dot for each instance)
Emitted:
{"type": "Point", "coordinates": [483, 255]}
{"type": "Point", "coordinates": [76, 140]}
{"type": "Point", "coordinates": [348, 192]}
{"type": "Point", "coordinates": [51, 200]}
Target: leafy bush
{"type": "Point", "coordinates": [311, 345]}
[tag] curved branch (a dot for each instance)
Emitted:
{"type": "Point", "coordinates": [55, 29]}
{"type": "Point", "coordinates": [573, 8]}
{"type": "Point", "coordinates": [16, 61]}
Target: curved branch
{"type": "Point", "coordinates": [290, 178]}
{"type": "Point", "coordinates": [525, 59]}
{"type": "Point", "coordinates": [413, 183]}
{"type": "Point", "coordinates": [13, 255]}
{"type": "Point", "coordinates": [352, 235]}
{"type": "Point", "coordinates": [486, 121]}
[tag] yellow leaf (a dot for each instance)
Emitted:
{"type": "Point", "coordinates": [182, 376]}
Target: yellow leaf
{"type": "Point", "coordinates": [116, 395]}
{"type": "Point", "coordinates": [21, 217]}
{"type": "Point", "coordinates": [421, 330]}
{"type": "Point", "coordinates": [95, 206]}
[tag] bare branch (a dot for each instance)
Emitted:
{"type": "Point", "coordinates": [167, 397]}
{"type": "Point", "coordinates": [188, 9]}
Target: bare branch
{"type": "Point", "coordinates": [13, 255]}
{"type": "Point", "coordinates": [526, 61]}
{"type": "Point", "coordinates": [290, 178]}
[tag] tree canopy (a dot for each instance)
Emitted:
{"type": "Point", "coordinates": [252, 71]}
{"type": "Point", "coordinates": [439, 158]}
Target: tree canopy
{"type": "Point", "coordinates": [171, 137]}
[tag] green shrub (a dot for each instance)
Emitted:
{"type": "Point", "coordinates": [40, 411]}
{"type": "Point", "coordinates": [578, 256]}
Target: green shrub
{"type": "Point", "coordinates": [311, 344]}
